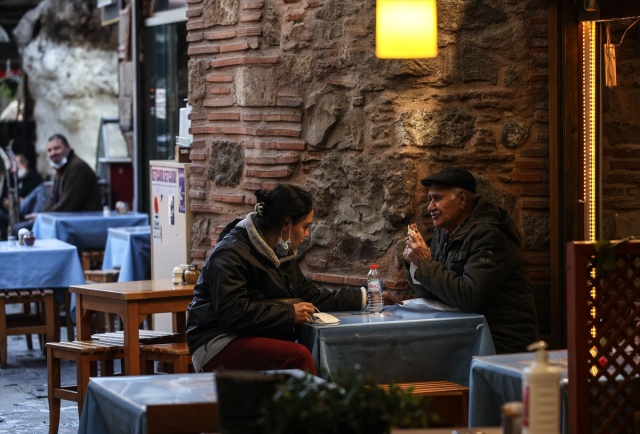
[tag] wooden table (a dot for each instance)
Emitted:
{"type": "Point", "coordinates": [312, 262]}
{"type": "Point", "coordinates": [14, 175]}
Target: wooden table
{"type": "Point", "coordinates": [133, 301]}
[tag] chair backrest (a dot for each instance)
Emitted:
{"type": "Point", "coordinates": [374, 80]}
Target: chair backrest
{"type": "Point", "coordinates": [603, 324]}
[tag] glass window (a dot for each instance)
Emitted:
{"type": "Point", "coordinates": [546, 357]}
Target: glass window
{"type": "Point", "coordinates": [165, 89]}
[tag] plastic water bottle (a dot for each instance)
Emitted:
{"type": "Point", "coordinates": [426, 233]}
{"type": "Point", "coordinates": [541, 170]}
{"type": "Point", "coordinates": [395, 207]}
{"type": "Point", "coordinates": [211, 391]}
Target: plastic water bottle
{"type": "Point", "coordinates": [374, 290]}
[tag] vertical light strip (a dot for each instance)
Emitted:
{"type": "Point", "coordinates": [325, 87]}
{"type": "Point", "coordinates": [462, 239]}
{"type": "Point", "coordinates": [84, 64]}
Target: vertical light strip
{"type": "Point", "coordinates": [589, 59]}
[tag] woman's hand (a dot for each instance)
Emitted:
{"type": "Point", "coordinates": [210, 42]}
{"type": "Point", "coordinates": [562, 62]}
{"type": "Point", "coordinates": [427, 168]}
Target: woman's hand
{"type": "Point", "coordinates": [416, 248]}
{"type": "Point", "coordinates": [304, 311]}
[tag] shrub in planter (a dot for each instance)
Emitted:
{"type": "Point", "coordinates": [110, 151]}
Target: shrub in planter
{"type": "Point", "coordinates": [352, 404]}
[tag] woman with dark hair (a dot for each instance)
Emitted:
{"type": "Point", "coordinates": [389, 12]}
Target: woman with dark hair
{"type": "Point", "coordinates": [242, 315]}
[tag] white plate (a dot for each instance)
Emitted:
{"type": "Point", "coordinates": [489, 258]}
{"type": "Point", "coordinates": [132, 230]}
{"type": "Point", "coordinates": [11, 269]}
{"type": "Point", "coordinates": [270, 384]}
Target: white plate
{"type": "Point", "coordinates": [421, 304]}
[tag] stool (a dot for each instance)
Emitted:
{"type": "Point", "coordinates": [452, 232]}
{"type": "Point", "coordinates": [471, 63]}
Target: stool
{"type": "Point", "coordinates": [450, 401]}
{"type": "Point", "coordinates": [175, 355]}
{"type": "Point", "coordinates": [41, 322]}
{"type": "Point", "coordinates": [87, 355]}
{"type": "Point", "coordinates": [91, 259]}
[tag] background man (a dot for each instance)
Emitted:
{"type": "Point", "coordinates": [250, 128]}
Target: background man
{"type": "Point", "coordinates": [75, 184]}
{"type": "Point", "coordinates": [475, 263]}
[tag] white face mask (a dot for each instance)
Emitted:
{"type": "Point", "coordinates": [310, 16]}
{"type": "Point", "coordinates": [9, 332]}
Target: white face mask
{"type": "Point", "coordinates": [59, 165]}
{"type": "Point", "coordinates": [22, 173]}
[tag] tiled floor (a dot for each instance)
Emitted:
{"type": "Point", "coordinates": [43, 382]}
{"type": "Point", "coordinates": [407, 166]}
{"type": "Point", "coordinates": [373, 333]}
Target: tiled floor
{"type": "Point", "coordinates": [24, 408]}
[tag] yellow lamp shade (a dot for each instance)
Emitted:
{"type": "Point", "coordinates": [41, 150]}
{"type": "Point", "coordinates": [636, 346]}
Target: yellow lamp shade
{"type": "Point", "coordinates": [406, 29]}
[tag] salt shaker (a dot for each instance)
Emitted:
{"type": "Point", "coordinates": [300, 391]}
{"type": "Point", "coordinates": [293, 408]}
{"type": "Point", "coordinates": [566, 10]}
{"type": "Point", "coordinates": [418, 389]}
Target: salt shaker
{"type": "Point", "coordinates": [178, 276]}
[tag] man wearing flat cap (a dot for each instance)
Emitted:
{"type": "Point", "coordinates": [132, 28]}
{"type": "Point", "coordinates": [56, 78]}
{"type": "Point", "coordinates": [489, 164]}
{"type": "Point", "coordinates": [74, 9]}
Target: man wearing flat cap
{"type": "Point", "coordinates": [475, 262]}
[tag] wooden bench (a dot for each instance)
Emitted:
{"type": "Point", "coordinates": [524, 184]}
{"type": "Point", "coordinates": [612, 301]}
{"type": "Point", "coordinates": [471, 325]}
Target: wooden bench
{"type": "Point", "coordinates": [175, 356]}
{"type": "Point", "coordinates": [450, 401]}
{"type": "Point", "coordinates": [86, 355]}
{"type": "Point", "coordinates": [146, 337]}
{"type": "Point", "coordinates": [41, 321]}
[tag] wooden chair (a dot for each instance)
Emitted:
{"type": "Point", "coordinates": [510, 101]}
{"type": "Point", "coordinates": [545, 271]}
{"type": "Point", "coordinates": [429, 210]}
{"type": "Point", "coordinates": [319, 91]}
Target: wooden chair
{"type": "Point", "coordinates": [603, 319]}
{"type": "Point", "coordinates": [63, 318]}
{"type": "Point", "coordinates": [39, 322]}
{"type": "Point", "coordinates": [87, 355]}
{"type": "Point", "coordinates": [450, 401]}
{"type": "Point", "coordinates": [91, 259]}
{"type": "Point", "coordinates": [103, 348]}
{"type": "Point", "coordinates": [174, 356]}
{"type": "Point", "coordinates": [105, 322]}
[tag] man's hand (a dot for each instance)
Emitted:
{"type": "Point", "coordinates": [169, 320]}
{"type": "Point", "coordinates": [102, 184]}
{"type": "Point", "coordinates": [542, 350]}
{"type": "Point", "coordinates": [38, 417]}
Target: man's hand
{"type": "Point", "coordinates": [391, 298]}
{"type": "Point", "coordinates": [416, 248]}
{"type": "Point", "coordinates": [304, 311]}
{"type": "Point", "coordinates": [31, 217]}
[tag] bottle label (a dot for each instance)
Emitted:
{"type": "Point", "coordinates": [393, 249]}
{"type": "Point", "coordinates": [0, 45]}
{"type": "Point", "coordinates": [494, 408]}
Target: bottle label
{"type": "Point", "coordinates": [374, 285]}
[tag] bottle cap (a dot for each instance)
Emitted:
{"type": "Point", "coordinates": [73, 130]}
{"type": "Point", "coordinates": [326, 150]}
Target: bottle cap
{"type": "Point", "coordinates": [373, 266]}
{"type": "Point", "coordinates": [541, 348]}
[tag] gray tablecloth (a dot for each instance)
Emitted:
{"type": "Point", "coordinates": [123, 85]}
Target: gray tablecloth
{"type": "Point", "coordinates": [400, 346]}
{"type": "Point", "coordinates": [498, 379]}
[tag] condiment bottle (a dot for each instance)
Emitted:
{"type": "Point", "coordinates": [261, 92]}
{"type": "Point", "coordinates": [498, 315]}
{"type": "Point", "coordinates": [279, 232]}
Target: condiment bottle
{"type": "Point", "coordinates": [191, 275]}
{"type": "Point", "coordinates": [541, 394]}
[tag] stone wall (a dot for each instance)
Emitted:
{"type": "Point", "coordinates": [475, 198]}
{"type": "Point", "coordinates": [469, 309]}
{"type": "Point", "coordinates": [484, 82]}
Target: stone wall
{"type": "Point", "coordinates": [71, 63]}
{"type": "Point", "coordinates": [290, 91]}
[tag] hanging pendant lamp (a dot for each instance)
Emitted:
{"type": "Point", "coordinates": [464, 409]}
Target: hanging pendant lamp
{"type": "Point", "coordinates": [406, 29]}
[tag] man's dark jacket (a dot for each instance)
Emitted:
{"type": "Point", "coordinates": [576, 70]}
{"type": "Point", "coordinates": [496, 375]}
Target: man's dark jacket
{"type": "Point", "coordinates": [75, 187]}
{"type": "Point", "coordinates": [480, 268]}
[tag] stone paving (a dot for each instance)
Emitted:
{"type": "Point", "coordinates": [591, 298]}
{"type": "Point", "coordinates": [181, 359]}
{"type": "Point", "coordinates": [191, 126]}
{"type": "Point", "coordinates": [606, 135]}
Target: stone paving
{"type": "Point", "coordinates": [24, 408]}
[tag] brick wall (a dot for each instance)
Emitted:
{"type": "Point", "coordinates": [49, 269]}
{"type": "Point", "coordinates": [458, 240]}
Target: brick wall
{"type": "Point", "coordinates": [290, 91]}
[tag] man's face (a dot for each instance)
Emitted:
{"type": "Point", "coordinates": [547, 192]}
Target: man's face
{"type": "Point", "coordinates": [445, 207]}
{"type": "Point", "coordinates": [56, 151]}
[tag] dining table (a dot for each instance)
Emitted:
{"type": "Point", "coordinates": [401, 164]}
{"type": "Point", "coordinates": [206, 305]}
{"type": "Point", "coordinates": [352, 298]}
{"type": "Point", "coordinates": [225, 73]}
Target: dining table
{"type": "Point", "coordinates": [87, 230]}
{"type": "Point", "coordinates": [49, 263]}
{"type": "Point", "coordinates": [177, 404]}
{"type": "Point", "coordinates": [496, 380]}
{"type": "Point", "coordinates": [168, 403]}
{"type": "Point", "coordinates": [133, 302]}
{"type": "Point", "coordinates": [406, 343]}
{"type": "Point", "coordinates": [128, 249]}
{"type": "Point", "coordinates": [181, 403]}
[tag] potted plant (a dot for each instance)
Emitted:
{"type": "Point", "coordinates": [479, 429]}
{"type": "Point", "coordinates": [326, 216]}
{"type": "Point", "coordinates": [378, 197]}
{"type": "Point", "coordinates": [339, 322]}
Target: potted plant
{"type": "Point", "coordinates": [352, 404]}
